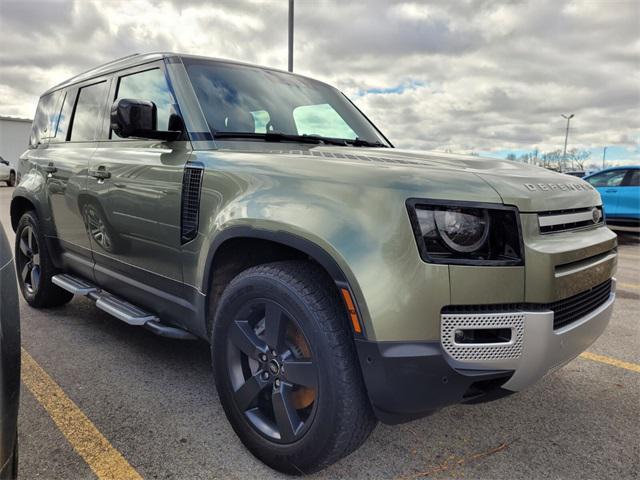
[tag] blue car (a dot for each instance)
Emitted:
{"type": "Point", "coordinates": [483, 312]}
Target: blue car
{"type": "Point", "coordinates": [619, 188]}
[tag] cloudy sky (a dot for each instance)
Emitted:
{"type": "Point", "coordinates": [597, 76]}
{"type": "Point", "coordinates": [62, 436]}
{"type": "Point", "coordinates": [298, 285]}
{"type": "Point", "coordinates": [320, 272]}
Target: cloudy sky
{"type": "Point", "coordinates": [461, 75]}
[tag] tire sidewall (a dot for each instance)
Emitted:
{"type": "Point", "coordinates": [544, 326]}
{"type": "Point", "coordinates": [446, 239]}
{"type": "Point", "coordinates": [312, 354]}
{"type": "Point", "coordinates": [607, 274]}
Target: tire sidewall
{"type": "Point", "coordinates": [320, 431]}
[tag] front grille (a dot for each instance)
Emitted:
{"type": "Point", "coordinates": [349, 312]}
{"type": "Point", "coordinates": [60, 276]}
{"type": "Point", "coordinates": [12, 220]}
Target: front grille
{"type": "Point", "coordinates": [573, 308]}
{"type": "Point", "coordinates": [565, 311]}
{"type": "Point", "coordinates": [571, 219]}
{"type": "Point", "coordinates": [191, 182]}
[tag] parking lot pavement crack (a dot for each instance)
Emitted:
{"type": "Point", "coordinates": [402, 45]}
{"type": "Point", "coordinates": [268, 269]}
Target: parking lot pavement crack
{"type": "Point", "coordinates": [450, 464]}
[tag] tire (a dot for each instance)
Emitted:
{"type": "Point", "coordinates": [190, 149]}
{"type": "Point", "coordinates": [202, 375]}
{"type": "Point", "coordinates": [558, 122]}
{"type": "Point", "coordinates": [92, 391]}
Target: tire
{"type": "Point", "coordinates": [315, 363]}
{"type": "Point", "coordinates": [12, 179]}
{"type": "Point", "coordinates": [34, 266]}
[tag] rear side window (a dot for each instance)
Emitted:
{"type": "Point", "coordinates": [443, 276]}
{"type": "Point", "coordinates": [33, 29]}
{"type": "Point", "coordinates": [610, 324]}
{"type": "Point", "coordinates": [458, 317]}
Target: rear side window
{"type": "Point", "coordinates": [87, 115]}
{"type": "Point", "coordinates": [152, 86]}
{"type": "Point", "coordinates": [45, 120]}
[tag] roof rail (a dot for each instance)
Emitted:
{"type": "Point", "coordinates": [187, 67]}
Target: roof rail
{"type": "Point", "coordinates": [93, 69]}
{"type": "Point", "coordinates": [114, 61]}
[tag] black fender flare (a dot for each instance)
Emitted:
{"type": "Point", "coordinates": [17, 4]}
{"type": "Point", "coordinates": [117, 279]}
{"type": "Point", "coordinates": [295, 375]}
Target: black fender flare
{"type": "Point", "coordinates": [314, 251]}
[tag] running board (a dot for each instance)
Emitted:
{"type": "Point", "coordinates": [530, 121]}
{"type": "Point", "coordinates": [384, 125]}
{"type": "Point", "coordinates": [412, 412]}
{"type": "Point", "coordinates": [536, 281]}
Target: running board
{"type": "Point", "coordinates": [75, 285]}
{"type": "Point", "coordinates": [123, 310]}
{"type": "Point", "coordinates": [119, 308]}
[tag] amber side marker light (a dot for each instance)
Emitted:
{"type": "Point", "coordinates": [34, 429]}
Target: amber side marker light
{"type": "Point", "coordinates": [351, 308]}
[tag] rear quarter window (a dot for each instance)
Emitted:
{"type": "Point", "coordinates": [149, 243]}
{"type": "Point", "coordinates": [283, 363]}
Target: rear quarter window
{"type": "Point", "coordinates": [46, 118]}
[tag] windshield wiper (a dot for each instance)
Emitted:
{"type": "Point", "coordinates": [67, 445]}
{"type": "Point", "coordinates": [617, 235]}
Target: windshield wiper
{"type": "Point", "coordinates": [287, 137]}
{"type": "Point", "coordinates": [269, 137]}
{"type": "Point", "coordinates": [359, 142]}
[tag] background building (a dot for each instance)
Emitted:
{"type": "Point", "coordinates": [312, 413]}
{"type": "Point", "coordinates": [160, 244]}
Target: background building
{"type": "Point", "coordinates": [14, 137]}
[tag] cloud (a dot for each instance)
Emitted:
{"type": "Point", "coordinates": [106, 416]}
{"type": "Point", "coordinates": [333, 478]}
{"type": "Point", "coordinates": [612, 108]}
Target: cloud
{"type": "Point", "coordinates": [481, 75]}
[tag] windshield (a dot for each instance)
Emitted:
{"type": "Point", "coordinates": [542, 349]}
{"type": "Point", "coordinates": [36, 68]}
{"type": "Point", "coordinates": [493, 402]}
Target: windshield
{"type": "Point", "coordinates": [254, 101]}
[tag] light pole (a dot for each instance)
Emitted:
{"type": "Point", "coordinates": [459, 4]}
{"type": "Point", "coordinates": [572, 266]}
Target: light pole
{"type": "Point", "coordinates": [290, 36]}
{"type": "Point", "coordinates": [604, 156]}
{"type": "Point", "coordinates": [566, 137]}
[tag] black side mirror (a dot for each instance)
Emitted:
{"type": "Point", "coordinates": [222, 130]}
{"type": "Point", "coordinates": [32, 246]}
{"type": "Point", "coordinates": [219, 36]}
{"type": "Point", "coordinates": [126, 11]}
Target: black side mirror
{"type": "Point", "coordinates": [138, 118]}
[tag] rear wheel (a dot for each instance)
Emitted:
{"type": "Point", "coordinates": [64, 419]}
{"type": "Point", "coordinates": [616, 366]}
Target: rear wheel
{"type": "Point", "coordinates": [34, 266]}
{"type": "Point", "coordinates": [286, 370]}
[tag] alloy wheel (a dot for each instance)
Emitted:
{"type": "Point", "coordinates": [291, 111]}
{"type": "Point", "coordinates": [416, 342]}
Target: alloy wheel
{"type": "Point", "coordinates": [29, 260]}
{"type": "Point", "coordinates": [272, 371]}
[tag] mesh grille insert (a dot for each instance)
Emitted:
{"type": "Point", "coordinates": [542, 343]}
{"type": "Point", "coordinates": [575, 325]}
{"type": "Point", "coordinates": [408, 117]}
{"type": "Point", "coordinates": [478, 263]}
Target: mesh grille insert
{"type": "Point", "coordinates": [191, 183]}
{"type": "Point", "coordinates": [566, 311]}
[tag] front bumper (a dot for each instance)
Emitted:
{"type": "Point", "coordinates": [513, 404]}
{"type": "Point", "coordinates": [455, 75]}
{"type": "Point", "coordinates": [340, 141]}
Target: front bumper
{"type": "Point", "coordinates": [535, 348]}
{"type": "Point", "coordinates": [408, 380]}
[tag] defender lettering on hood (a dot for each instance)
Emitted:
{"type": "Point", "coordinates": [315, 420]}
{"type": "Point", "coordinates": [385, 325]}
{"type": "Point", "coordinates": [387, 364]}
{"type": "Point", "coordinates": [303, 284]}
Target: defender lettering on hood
{"type": "Point", "coordinates": [545, 187]}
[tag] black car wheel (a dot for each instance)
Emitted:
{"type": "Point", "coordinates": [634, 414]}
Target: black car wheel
{"type": "Point", "coordinates": [12, 179]}
{"type": "Point", "coordinates": [34, 266]}
{"type": "Point", "coordinates": [286, 369]}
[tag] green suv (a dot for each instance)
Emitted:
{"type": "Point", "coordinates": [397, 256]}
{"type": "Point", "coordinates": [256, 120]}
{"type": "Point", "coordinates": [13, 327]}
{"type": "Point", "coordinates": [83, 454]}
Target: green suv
{"type": "Point", "coordinates": [339, 281]}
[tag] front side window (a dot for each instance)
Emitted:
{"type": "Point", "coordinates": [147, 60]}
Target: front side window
{"type": "Point", "coordinates": [254, 101]}
{"type": "Point", "coordinates": [152, 86]}
{"type": "Point", "coordinates": [45, 120]}
{"type": "Point", "coordinates": [88, 114]}
{"type": "Point", "coordinates": [612, 178]}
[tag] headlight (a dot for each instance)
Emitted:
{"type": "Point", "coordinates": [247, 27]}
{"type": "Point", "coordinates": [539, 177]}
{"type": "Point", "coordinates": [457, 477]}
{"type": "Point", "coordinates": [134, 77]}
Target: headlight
{"type": "Point", "coordinates": [466, 233]}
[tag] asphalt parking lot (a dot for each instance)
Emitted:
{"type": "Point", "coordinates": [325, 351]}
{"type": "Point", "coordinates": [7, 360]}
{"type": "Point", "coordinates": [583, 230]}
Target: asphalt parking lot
{"type": "Point", "coordinates": [153, 402]}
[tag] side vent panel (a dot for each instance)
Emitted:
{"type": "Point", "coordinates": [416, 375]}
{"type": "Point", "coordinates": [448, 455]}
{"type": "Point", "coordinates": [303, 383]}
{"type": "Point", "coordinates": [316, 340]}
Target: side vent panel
{"type": "Point", "coordinates": [190, 210]}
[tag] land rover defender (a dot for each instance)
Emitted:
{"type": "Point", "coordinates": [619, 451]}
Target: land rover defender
{"type": "Point", "coordinates": [339, 280]}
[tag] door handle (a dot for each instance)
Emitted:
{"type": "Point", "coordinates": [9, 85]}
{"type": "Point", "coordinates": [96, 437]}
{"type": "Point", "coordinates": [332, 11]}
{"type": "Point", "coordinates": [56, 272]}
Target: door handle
{"type": "Point", "coordinates": [101, 173]}
{"type": "Point", "coordinates": [49, 168]}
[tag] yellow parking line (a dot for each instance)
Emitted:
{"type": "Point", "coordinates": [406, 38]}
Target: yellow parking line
{"type": "Point", "coordinates": [631, 286]}
{"type": "Point", "coordinates": [105, 461]}
{"type": "Point", "coordinates": [634, 367]}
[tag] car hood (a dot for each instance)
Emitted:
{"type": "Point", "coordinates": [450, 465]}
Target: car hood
{"type": "Point", "coordinates": [530, 188]}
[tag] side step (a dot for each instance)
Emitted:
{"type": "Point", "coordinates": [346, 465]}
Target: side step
{"type": "Point", "coordinates": [124, 311]}
{"type": "Point", "coordinates": [118, 307]}
{"type": "Point", "coordinates": [75, 285]}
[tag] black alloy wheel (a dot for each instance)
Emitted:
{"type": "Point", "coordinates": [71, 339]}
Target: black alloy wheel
{"type": "Point", "coordinates": [28, 260]}
{"type": "Point", "coordinates": [272, 371]}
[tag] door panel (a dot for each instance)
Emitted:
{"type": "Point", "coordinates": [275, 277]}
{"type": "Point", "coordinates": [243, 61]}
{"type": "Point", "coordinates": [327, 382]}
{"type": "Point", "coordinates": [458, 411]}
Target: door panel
{"type": "Point", "coordinates": [629, 197]}
{"type": "Point", "coordinates": [70, 148]}
{"type": "Point", "coordinates": [134, 214]}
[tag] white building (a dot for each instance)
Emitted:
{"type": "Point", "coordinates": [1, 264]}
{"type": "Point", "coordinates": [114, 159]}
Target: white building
{"type": "Point", "coordinates": [14, 137]}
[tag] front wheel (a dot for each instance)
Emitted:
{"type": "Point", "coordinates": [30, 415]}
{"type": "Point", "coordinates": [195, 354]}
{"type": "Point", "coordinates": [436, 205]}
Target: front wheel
{"type": "Point", "coordinates": [286, 370]}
